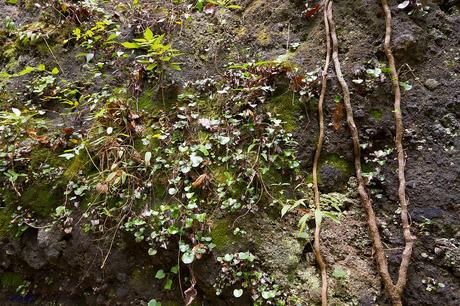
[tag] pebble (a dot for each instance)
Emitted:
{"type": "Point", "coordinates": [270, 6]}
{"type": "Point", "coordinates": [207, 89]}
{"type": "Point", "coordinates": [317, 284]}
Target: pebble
{"type": "Point", "coordinates": [431, 84]}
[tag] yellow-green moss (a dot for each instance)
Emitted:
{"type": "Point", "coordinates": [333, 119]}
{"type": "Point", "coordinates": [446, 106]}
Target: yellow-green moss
{"type": "Point", "coordinates": [376, 114]}
{"type": "Point", "coordinates": [43, 198]}
{"type": "Point", "coordinates": [263, 37]}
{"type": "Point", "coordinates": [339, 163]}
{"type": "Point", "coordinates": [10, 280]}
{"type": "Point", "coordinates": [221, 235]}
{"type": "Point", "coordinates": [287, 108]}
{"type": "Point", "coordinates": [336, 162]}
{"type": "Point", "coordinates": [79, 163]}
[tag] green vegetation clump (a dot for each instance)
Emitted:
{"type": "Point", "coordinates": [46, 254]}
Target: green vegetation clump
{"type": "Point", "coordinates": [10, 280]}
{"type": "Point", "coordinates": [220, 234]}
{"type": "Point", "coordinates": [43, 198]}
{"type": "Point", "coordinates": [286, 106]}
{"type": "Point", "coordinates": [339, 163]}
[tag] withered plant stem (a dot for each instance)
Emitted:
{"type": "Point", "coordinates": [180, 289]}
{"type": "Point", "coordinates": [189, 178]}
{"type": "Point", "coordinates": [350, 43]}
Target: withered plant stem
{"type": "Point", "coordinates": [382, 264]}
{"type": "Point", "coordinates": [409, 239]}
{"type": "Point", "coordinates": [319, 145]}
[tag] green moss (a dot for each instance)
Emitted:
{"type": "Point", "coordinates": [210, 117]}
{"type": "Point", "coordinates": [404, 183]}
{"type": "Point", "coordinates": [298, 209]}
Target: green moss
{"type": "Point", "coordinates": [287, 108]}
{"type": "Point", "coordinates": [5, 219]}
{"type": "Point", "coordinates": [10, 280]}
{"type": "Point", "coordinates": [376, 114]}
{"type": "Point", "coordinates": [80, 162]}
{"type": "Point", "coordinates": [43, 198]}
{"type": "Point", "coordinates": [218, 173]}
{"type": "Point", "coordinates": [7, 209]}
{"type": "Point", "coordinates": [143, 278]}
{"type": "Point", "coordinates": [339, 163]}
{"type": "Point", "coordinates": [45, 155]}
{"type": "Point", "coordinates": [275, 179]}
{"type": "Point", "coordinates": [146, 101]}
{"type": "Point", "coordinates": [221, 235]}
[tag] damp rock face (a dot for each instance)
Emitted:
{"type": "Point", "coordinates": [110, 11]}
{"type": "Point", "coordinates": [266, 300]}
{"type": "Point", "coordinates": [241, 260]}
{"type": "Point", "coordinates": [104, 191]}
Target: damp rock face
{"type": "Point", "coordinates": [63, 264]}
{"type": "Point", "coordinates": [431, 84]}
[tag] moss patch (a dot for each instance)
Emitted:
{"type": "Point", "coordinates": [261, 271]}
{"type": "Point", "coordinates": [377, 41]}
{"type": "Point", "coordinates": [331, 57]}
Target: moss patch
{"type": "Point", "coordinates": [80, 162]}
{"type": "Point", "coordinates": [145, 101]}
{"type": "Point", "coordinates": [286, 106]}
{"type": "Point", "coordinates": [263, 37]}
{"type": "Point", "coordinates": [7, 208]}
{"type": "Point", "coordinates": [42, 198]}
{"type": "Point", "coordinates": [44, 155]}
{"type": "Point", "coordinates": [377, 115]}
{"type": "Point", "coordinates": [339, 163]}
{"type": "Point", "coordinates": [221, 235]}
{"type": "Point", "coordinates": [10, 280]}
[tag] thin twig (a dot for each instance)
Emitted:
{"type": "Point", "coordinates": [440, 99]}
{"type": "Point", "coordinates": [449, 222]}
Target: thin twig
{"type": "Point", "coordinates": [111, 242]}
{"type": "Point", "coordinates": [52, 53]}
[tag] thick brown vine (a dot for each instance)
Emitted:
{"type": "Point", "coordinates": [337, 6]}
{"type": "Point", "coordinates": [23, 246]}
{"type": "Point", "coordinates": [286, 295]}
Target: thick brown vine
{"type": "Point", "coordinates": [394, 291]}
{"type": "Point", "coordinates": [319, 145]}
{"type": "Point", "coordinates": [408, 237]}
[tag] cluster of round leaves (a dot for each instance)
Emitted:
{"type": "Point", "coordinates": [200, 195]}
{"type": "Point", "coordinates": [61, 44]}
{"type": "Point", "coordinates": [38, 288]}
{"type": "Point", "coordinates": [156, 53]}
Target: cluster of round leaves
{"type": "Point", "coordinates": [205, 163]}
{"type": "Point", "coordinates": [240, 274]}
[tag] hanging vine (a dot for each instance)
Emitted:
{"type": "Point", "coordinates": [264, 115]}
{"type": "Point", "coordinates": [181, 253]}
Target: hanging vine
{"type": "Point", "coordinates": [394, 290]}
{"type": "Point", "coordinates": [319, 145]}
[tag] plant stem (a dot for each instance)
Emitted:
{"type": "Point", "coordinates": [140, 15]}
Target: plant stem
{"type": "Point", "coordinates": [317, 238]}
{"type": "Point", "coordinates": [409, 239]}
{"type": "Point", "coordinates": [371, 219]}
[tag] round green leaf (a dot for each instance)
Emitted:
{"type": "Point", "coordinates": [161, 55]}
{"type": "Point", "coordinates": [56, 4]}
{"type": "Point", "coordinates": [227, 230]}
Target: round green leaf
{"type": "Point", "coordinates": [187, 258]}
{"type": "Point", "coordinates": [160, 274]}
{"type": "Point", "coordinates": [237, 293]}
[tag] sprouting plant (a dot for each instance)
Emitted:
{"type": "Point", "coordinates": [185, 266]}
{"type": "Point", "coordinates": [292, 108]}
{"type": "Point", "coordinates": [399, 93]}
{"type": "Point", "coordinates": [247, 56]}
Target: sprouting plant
{"type": "Point", "coordinates": [16, 122]}
{"type": "Point", "coordinates": [9, 24]}
{"type": "Point", "coordinates": [24, 288]}
{"type": "Point", "coordinates": [210, 5]}
{"type": "Point", "coordinates": [229, 4]}
{"type": "Point", "coordinates": [158, 55]}
{"type": "Point", "coordinates": [99, 38]}
{"type": "Point", "coordinates": [302, 206]}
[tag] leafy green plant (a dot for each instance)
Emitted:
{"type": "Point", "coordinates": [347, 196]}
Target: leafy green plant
{"type": "Point", "coordinates": [158, 55]}
{"type": "Point", "coordinates": [240, 273]}
{"type": "Point", "coordinates": [208, 4]}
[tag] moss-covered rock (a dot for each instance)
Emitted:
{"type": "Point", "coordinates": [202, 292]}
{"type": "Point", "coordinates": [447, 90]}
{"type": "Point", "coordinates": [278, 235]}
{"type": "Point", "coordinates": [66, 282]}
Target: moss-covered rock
{"type": "Point", "coordinates": [43, 198]}
{"type": "Point", "coordinates": [221, 235]}
{"type": "Point", "coordinates": [334, 172]}
{"type": "Point", "coordinates": [286, 106]}
{"type": "Point", "coordinates": [80, 162]}
{"type": "Point", "coordinates": [10, 280]}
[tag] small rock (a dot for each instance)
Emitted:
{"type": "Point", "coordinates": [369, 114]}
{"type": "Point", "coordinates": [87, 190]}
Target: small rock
{"type": "Point", "coordinates": [359, 113]}
{"type": "Point", "coordinates": [431, 84]}
{"type": "Point", "coordinates": [34, 258]}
